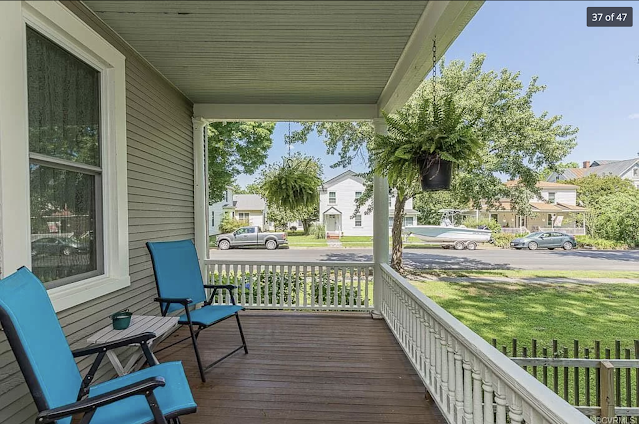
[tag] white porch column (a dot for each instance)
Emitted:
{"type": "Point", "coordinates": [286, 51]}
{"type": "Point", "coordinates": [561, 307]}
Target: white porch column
{"type": "Point", "coordinates": [199, 188]}
{"type": "Point", "coordinates": [380, 226]}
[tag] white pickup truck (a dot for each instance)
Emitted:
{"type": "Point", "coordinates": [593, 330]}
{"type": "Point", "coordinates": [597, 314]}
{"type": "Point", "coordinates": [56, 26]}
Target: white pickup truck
{"type": "Point", "coordinates": [251, 237]}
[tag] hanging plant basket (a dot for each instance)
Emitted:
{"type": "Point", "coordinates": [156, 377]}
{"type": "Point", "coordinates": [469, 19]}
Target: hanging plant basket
{"type": "Point", "coordinates": [435, 173]}
{"type": "Point", "coordinates": [294, 184]}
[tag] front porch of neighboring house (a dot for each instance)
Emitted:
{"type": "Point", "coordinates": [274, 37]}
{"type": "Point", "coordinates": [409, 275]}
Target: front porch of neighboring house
{"type": "Point", "coordinates": [566, 219]}
{"type": "Point", "coordinates": [103, 113]}
{"type": "Point", "coordinates": [332, 219]}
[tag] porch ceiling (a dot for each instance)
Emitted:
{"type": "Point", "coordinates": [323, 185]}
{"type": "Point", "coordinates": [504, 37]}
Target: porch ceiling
{"type": "Point", "coordinates": [367, 53]}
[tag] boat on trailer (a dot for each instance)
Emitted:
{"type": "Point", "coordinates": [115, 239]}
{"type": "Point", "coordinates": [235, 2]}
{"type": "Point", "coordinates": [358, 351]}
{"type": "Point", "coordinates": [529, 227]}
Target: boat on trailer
{"type": "Point", "coordinates": [448, 234]}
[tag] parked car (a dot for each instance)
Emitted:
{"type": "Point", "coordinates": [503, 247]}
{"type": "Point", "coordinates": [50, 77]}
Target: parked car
{"type": "Point", "coordinates": [56, 246]}
{"type": "Point", "coordinates": [545, 240]}
{"type": "Point", "coordinates": [251, 237]}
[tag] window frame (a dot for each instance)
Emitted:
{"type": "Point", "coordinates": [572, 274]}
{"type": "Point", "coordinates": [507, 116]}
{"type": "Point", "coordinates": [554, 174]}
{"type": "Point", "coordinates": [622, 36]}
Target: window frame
{"type": "Point", "coordinates": [358, 194]}
{"type": "Point", "coordinates": [62, 27]}
{"type": "Point", "coordinates": [552, 200]}
{"type": "Point", "coordinates": [241, 214]}
{"type": "Point", "coordinates": [334, 200]}
{"type": "Point", "coordinates": [358, 218]}
{"type": "Point", "coordinates": [550, 220]}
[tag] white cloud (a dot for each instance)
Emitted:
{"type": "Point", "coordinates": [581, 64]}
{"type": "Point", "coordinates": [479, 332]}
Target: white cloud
{"type": "Point", "coordinates": [634, 116]}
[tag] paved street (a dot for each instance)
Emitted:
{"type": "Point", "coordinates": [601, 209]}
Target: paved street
{"type": "Point", "coordinates": [614, 260]}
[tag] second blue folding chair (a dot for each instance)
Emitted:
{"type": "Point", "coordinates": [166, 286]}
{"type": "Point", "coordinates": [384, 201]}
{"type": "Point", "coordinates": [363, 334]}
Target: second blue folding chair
{"type": "Point", "coordinates": [180, 286]}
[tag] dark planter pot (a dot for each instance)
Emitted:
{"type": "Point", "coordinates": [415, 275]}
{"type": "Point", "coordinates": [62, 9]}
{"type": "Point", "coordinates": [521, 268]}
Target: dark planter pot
{"type": "Point", "coordinates": [435, 173]}
{"type": "Point", "coordinates": [121, 320]}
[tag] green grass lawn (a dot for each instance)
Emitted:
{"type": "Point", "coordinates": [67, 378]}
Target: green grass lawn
{"type": "Point", "coordinates": [527, 273]}
{"type": "Point", "coordinates": [297, 239]}
{"type": "Point", "coordinates": [586, 312]}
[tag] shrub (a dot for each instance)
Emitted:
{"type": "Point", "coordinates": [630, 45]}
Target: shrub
{"type": "Point", "coordinates": [491, 224]}
{"type": "Point", "coordinates": [599, 243]}
{"type": "Point", "coordinates": [318, 231]}
{"type": "Point", "coordinates": [266, 286]}
{"type": "Point", "coordinates": [228, 224]}
{"type": "Point", "coordinates": [293, 228]}
{"type": "Point", "coordinates": [503, 239]}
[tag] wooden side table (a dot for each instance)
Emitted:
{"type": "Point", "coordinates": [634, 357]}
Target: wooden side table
{"type": "Point", "coordinates": [160, 326]}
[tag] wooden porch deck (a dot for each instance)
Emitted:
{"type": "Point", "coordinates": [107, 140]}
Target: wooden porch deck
{"type": "Point", "coordinates": [319, 368]}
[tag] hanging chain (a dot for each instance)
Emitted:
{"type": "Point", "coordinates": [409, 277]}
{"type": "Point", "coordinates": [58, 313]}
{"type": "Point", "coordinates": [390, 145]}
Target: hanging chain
{"type": "Point", "coordinates": [434, 73]}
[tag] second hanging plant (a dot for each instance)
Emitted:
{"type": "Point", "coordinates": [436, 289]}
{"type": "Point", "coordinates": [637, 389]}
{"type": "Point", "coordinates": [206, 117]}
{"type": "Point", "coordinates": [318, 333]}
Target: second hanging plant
{"type": "Point", "coordinates": [425, 141]}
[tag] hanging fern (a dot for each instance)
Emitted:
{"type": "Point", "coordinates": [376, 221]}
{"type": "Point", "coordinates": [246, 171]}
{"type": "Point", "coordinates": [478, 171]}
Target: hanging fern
{"type": "Point", "coordinates": [294, 185]}
{"type": "Point", "coordinates": [423, 133]}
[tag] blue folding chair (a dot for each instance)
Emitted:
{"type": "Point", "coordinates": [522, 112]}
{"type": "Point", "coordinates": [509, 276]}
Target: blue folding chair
{"type": "Point", "coordinates": [179, 284]}
{"type": "Point", "coordinates": [158, 394]}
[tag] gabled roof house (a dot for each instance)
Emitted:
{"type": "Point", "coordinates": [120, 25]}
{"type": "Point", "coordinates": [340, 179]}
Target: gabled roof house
{"type": "Point", "coordinates": [627, 168]}
{"type": "Point", "coordinates": [103, 112]}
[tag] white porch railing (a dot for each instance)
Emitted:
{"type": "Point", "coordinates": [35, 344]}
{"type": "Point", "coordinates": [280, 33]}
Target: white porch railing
{"type": "Point", "coordinates": [470, 381]}
{"type": "Point", "coordinates": [333, 286]}
{"type": "Point", "coordinates": [571, 231]}
{"type": "Point", "coordinates": [519, 230]}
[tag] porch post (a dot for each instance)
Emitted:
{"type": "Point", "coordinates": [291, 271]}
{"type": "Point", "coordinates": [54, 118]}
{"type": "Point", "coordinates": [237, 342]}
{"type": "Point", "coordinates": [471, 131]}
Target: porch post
{"type": "Point", "coordinates": [199, 188]}
{"type": "Point", "coordinates": [380, 227]}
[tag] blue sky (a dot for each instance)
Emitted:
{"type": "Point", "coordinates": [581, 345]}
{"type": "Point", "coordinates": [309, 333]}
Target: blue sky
{"type": "Point", "coordinates": [592, 74]}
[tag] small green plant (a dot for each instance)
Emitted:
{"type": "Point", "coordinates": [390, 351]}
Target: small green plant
{"type": "Point", "coordinates": [503, 239]}
{"type": "Point", "coordinates": [228, 224]}
{"type": "Point", "coordinates": [261, 288]}
{"type": "Point", "coordinates": [318, 231]}
{"type": "Point", "coordinates": [326, 293]}
{"type": "Point", "coordinates": [599, 243]}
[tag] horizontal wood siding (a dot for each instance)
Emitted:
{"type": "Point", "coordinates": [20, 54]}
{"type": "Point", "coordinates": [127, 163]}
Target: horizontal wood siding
{"type": "Point", "coordinates": [160, 184]}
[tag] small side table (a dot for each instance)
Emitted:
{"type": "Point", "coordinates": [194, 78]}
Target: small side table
{"type": "Point", "coordinates": [139, 324]}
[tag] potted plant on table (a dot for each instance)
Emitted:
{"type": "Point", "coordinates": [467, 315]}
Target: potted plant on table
{"type": "Point", "coordinates": [425, 141]}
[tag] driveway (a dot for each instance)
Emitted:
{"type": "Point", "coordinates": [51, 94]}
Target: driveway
{"type": "Point", "coordinates": [591, 260]}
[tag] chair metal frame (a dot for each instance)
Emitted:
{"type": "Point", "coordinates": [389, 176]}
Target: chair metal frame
{"type": "Point", "coordinates": [194, 333]}
{"type": "Point", "coordinates": [89, 405]}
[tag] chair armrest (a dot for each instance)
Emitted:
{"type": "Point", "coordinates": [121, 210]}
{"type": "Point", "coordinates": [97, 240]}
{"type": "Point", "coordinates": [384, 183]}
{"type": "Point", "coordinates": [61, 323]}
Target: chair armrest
{"type": "Point", "coordinates": [181, 301]}
{"type": "Point", "coordinates": [103, 347]}
{"type": "Point", "coordinates": [220, 286]}
{"type": "Point", "coordinates": [89, 404]}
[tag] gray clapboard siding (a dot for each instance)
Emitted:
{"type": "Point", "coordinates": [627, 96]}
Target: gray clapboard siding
{"type": "Point", "coordinates": [160, 184]}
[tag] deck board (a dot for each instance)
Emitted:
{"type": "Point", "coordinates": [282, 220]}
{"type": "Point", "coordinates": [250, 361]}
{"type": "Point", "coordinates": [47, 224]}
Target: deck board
{"type": "Point", "coordinates": [322, 368]}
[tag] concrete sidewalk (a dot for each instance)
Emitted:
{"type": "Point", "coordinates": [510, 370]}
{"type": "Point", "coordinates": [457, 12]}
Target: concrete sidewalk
{"type": "Point", "coordinates": [519, 280]}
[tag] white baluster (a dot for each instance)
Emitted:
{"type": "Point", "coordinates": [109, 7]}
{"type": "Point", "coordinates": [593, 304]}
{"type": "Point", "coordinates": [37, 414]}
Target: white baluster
{"type": "Point", "coordinates": [489, 412]}
{"type": "Point", "coordinates": [443, 358]}
{"type": "Point", "coordinates": [468, 387]}
{"type": "Point", "coordinates": [433, 355]}
{"type": "Point", "coordinates": [438, 362]}
{"type": "Point", "coordinates": [515, 410]}
{"type": "Point", "coordinates": [477, 392]}
{"type": "Point", "coordinates": [459, 384]}
{"type": "Point", "coordinates": [500, 400]}
{"type": "Point", "coordinates": [451, 373]}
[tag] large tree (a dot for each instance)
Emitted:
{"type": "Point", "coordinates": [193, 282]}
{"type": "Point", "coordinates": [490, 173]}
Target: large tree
{"type": "Point", "coordinates": [518, 143]}
{"type": "Point", "coordinates": [235, 148]}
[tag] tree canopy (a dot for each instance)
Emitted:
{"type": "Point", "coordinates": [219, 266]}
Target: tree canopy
{"type": "Point", "coordinates": [518, 143]}
{"type": "Point", "coordinates": [235, 148]}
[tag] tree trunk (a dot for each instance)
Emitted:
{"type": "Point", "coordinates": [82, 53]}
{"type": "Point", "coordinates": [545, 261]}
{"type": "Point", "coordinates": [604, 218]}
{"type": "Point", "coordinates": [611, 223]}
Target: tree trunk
{"type": "Point", "coordinates": [307, 225]}
{"type": "Point", "coordinates": [398, 247]}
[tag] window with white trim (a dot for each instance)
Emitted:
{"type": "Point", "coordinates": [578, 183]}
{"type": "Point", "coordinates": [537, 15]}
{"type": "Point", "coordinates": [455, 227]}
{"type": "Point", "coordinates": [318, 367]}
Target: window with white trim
{"type": "Point", "coordinates": [64, 174]}
{"type": "Point", "coordinates": [358, 194]}
{"type": "Point", "coordinates": [408, 221]}
{"type": "Point", "coordinates": [494, 217]}
{"type": "Point", "coordinates": [358, 220]}
{"type": "Point", "coordinates": [551, 197]}
{"type": "Point", "coordinates": [243, 216]}
{"type": "Point", "coordinates": [550, 219]}
{"type": "Point", "coordinates": [64, 163]}
{"type": "Point", "coordinates": [332, 197]}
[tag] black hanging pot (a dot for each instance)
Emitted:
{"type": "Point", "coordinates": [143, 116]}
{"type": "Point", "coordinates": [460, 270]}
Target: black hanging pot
{"type": "Point", "coordinates": [435, 173]}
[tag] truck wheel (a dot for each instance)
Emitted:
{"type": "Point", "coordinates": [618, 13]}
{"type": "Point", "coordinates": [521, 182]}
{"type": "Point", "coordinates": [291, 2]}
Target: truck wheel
{"type": "Point", "coordinates": [224, 245]}
{"type": "Point", "coordinates": [271, 245]}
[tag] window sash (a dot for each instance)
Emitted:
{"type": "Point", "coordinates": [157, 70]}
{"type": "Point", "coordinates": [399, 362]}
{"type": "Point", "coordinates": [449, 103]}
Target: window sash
{"type": "Point", "coordinates": [358, 220]}
{"type": "Point", "coordinates": [332, 197]}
